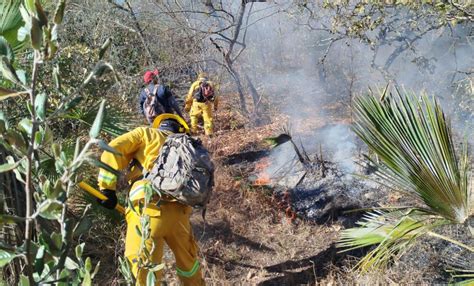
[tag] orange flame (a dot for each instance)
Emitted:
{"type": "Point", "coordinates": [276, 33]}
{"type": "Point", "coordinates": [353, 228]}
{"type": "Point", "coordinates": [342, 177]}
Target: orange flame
{"type": "Point", "coordinates": [263, 178]}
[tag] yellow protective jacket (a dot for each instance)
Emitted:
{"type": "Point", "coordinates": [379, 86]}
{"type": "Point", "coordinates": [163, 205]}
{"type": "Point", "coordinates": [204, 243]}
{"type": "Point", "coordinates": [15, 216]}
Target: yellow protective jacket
{"type": "Point", "coordinates": [193, 89]}
{"type": "Point", "coordinates": [142, 144]}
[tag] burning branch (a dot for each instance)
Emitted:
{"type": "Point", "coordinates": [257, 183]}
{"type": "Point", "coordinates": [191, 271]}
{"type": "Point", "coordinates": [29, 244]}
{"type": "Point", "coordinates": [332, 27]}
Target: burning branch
{"type": "Point", "coordinates": [283, 203]}
{"type": "Point", "coordinates": [303, 159]}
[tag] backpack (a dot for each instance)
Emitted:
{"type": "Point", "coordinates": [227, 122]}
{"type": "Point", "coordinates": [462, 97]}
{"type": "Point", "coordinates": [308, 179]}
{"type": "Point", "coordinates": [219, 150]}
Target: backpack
{"type": "Point", "coordinates": [183, 170]}
{"type": "Point", "coordinates": [205, 92]}
{"type": "Point", "coordinates": [152, 107]}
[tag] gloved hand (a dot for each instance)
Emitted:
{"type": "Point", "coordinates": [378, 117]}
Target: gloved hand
{"type": "Point", "coordinates": [111, 201]}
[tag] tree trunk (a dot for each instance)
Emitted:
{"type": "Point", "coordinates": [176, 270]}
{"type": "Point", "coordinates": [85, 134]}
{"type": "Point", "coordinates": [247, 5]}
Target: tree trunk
{"type": "Point", "coordinates": [237, 78]}
{"type": "Point", "coordinates": [255, 96]}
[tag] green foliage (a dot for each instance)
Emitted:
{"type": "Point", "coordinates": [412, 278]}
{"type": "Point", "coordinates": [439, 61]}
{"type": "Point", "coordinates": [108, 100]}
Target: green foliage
{"type": "Point", "coordinates": [413, 140]}
{"type": "Point", "coordinates": [6, 257]}
{"type": "Point", "coordinates": [125, 269]}
{"type": "Point", "coordinates": [5, 49]}
{"type": "Point", "coordinates": [147, 245]}
{"type": "Point", "coordinates": [99, 119]}
{"type": "Point", "coordinates": [43, 164]}
{"type": "Point", "coordinates": [447, 11]}
{"type": "Point", "coordinates": [393, 233]}
{"type": "Point", "coordinates": [10, 22]}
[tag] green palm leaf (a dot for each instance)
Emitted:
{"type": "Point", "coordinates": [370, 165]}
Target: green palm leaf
{"type": "Point", "coordinates": [116, 122]}
{"type": "Point", "coordinates": [10, 22]}
{"type": "Point", "coordinates": [413, 139]}
{"type": "Point", "coordinates": [393, 232]}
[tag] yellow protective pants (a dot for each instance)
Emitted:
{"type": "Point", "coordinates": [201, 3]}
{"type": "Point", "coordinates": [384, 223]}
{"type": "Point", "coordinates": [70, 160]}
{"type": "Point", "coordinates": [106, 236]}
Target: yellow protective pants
{"type": "Point", "coordinates": [169, 222]}
{"type": "Point", "coordinates": [203, 109]}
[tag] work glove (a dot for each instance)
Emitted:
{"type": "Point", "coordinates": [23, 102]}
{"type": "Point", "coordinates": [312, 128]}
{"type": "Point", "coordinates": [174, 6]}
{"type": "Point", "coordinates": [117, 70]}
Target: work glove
{"type": "Point", "coordinates": [111, 200]}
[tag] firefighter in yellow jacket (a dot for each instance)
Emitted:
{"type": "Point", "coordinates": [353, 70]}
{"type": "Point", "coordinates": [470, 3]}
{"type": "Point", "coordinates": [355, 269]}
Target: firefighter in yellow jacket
{"type": "Point", "coordinates": [169, 219]}
{"type": "Point", "coordinates": [200, 101]}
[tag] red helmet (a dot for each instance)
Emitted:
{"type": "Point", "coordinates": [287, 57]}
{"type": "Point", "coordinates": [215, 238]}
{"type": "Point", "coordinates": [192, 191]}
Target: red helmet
{"type": "Point", "coordinates": [149, 75]}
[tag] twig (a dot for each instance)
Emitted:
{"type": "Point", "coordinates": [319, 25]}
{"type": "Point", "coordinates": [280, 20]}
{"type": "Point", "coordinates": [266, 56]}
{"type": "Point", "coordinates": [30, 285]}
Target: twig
{"type": "Point", "coordinates": [29, 167]}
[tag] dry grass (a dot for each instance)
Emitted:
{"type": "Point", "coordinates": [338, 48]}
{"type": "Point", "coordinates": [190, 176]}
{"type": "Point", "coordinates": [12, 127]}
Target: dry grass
{"type": "Point", "coordinates": [246, 239]}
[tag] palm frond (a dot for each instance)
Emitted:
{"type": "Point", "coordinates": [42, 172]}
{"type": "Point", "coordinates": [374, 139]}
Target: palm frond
{"type": "Point", "coordinates": [116, 122]}
{"type": "Point", "coordinates": [392, 231]}
{"type": "Point", "coordinates": [10, 22]}
{"type": "Point", "coordinates": [48, 169]}
{"type": "Point", "coordinates": [412, 137]}
{"type": "Point", "coordinates": [461, 268]}
{"type": "Point", "coordinates": [462, 277]}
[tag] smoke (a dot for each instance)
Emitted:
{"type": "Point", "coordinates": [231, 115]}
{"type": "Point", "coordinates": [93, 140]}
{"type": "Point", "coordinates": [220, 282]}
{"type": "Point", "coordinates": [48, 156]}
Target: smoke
{"type": "Point", "coordinates": [284, 57]}
{"type": "Point", "coordinates": [341, 147]}
{"type": "Point", "coordinates": [312, 73]}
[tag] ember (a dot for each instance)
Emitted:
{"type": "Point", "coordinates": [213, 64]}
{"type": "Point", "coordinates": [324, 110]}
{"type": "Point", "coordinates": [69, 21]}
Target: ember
{"type": "Point", "coordinates": [317, 190]}
{"type": "Point", "coordinates": [283, 203]}
{"type": "Point", "coordinates": [263, 179]}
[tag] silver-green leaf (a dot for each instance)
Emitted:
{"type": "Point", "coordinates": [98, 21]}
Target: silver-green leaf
{"type": "Point", "coordinates": [9, 166]}
{"type": "Point", "coordinates": [26, 125]}
{"type": "Point", "coordinates": [22, 33]}
{"type": "Point", "coordinates": [99, 119]}
{"type": "Point", "coordinates": [51, 209]}
{"type": "Point", "coordinates": [102, 165]}
{"type": "Point", "coordinates": [6, 257]}
{"type": "Point", "coordinates": [79, 250]}
{"type": "Point", "coordinates": [150, 279]}
{"type": "Point", "coordinates": [104, 146]}
{"type": "Point", "coordinates": [57, 77]}
{"type": "Point", "coordinates": [40, 105]}
{"type": "Point", "coordinates": [21, 76]}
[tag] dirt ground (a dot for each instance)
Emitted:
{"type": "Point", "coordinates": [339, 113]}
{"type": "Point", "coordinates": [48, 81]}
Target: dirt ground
{"type": "Point", "coordinates": [247, 239]}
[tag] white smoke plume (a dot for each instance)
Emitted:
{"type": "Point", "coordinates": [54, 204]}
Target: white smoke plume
{"type": "Point", "coordinates": [285, 61]}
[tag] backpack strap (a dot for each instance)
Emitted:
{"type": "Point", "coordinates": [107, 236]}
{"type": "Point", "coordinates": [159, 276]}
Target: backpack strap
{"type": "Point", "coordinates": [149, 93]}
{"type": "Point", "coordinates": [162, 92]}
{"type": "Point", "coordinates": [198, 94]}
